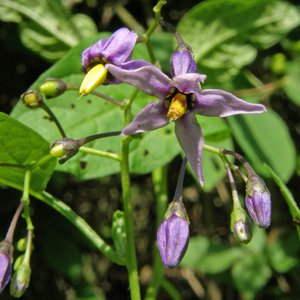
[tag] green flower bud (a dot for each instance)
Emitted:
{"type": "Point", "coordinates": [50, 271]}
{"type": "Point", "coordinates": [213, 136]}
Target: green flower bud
{"type": "Point", "coordinates": [241, 226]}
{"type": "Point", "coordinates": [64, 148]}
{"type": "Point", "coordinates": [32, 99]}
{"type": "Point", "coordinates": [20, 280]}
{"type": "Point", "coordinates": [53, 87]}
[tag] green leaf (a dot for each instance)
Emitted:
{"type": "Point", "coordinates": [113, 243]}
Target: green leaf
{"type": "Point", "coordinates": [283, 253]}
{"type": "Point", "coordinates": [209, 257]}
{"type": "Point", "coordinates": [251, 273]}
{"type": "Point", "coordinates": [21, 145]}
{"type": "Point", "coordinates": [291, 82]}
{"type": "Point", "coordinates": [47, 27]}
{"type": "Point", "coordinates": [265, 139]}
{"type": "Point", "coordinates": [224, 35]}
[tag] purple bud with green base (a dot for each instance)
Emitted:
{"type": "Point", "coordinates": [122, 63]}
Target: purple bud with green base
{"type": "Point", "coordinates": [173, 235]}
{"type": "Point", "coordinates": [258, 201]}
{"type": "Point", "coordinates": [5, 264]}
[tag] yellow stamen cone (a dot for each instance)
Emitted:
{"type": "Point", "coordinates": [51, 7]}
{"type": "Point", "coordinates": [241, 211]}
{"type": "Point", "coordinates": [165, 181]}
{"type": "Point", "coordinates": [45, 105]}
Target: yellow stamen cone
{"type": "Point", "coordinates": [177, 107]}
{"type": "Point", "coordinates": [94, 77]}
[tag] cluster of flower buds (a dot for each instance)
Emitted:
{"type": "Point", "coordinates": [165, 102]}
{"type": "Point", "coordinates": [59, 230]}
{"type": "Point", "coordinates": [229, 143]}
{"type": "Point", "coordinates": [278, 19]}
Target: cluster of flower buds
{"type": "Point", "coordinates": [173, 234]}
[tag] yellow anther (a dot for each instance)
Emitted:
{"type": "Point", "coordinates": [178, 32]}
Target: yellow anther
{"type": "Point", "coordinates": [94, 77]}
{"type": "Point", "coordinates": [177, 107]}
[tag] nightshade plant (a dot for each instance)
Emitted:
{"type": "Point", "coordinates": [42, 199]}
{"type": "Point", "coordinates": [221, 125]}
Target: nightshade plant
{"type": "Point", "coordinates": [177, 99]}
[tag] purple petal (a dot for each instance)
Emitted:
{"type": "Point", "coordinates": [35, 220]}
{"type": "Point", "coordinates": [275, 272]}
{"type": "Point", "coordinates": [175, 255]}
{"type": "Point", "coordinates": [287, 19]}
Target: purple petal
{"type": "Point", "coordinates": [116, 49]}
{"type": "Point", "coordinates": [152, 116]}
{"type": "Point", "coordinates": [191, 140]}
{"type": "Point", "coordinates": [172, 240]}
{"type": "Point", "coordinates": [218, 103]}
{"type": "Point", "coordinates": [148, 78]}
{"type": "Point", "coordinates": [182, 62]}
{"type": "Point", "coordinates": [189, 83]}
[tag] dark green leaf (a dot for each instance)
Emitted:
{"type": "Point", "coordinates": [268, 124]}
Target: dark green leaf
{"type": "Point", "coordinates": [21, 145]}
{"type": "Point", "coordinates": [291, 82]}
{"type": "Point", "coordinates": [224, 35]}
{"type": "Point", "coordinates": [265, 139]}
{"type": "Point", "coordinates": [251, 273]}
{"type": "Point", "coordinates": [209, 257]}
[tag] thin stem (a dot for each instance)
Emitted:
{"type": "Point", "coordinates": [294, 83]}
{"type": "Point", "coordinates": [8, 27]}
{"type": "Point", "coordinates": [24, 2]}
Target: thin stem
{"type": "Point", "coordinates": [128, 19]}
{"type": "Point", "coordinates": [159, 178]}
{"type": "Point", "coordinates": [100, 153]}
{"type": "Point", "coordinates": [10, 233]}
{"type": "Point", "coordinates": [80, 224]}
{"type": "Point", "coordinates": [12, 165]}
{"type": "Point", "coordinates": [171, 290]}
{"type": "Point", "coordinates": [157, 11]}
{"type": "Point", "coordinates": [53, 117]}
{"type": "Point", "coordinates": [129, 228]}
{"type": "Point", "coordinates": [28, 251]}
{"type": "Point", "coordinates": [179, 185]}
{"type": "Point", "coordinates": [98, 136]}
{"type": "Point", "coordinates": [97, 94]}
{"type": "Point", "coordinates": [235, 196]}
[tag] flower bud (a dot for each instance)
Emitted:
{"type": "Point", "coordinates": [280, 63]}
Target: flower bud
{"type": "Point", "coordinates": [5, 264]}
{"type": "Point", "coordinates": [20, 280]}
{"type": "Point", "coordinates": [64, 148]}
{"type": "Point", "coordinates": [52, 87]}
{"type": "Point", "coordinates": [258, 201]}
{"type": "Point", "coordinates": [241, 226]}
{"type": "Point", "coordinates": [173, 234]}
{"type": "Point", "coordinates": [32, 99]}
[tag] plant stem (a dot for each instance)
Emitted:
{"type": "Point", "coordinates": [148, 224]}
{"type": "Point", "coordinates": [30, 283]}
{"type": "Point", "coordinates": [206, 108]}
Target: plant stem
{"type": "Point", "coordinates": [53, 118]}
{"type": "Point", "coordinates": [80, 224]}
{"type": "Point", "coordinates": [126, 197]}
{"type": "Point", "coordinates": [10, 233]}
{"type": "Point", "coordinates": [159, 178]}
{"type": "Point", "coordinates": [100, 153]}
{"type": "Point", "coordinates": [97, 94]}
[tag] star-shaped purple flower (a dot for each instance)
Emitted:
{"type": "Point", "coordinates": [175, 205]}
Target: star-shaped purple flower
{"type": "Point", "coordinates": [180, 98]}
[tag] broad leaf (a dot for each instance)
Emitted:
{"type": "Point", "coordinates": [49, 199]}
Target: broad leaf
{"type": "Point", "coordinates": [265, 139]}
{"type": "Point", "coordinates": [22, 146]}
{"type": "Point", "coordinates": [291, 82]}
{"type": "Point", "coordinates": [225, 35]}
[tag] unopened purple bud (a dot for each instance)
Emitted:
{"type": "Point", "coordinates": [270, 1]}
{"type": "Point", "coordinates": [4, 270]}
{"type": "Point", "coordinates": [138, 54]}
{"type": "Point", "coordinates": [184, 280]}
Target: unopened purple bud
{"type": "Point", "coordinates": [5, 264]}
{"type": "Point", "coordinates": [173, 235]}
{"type": "Point", "coordinates": [258, 201]}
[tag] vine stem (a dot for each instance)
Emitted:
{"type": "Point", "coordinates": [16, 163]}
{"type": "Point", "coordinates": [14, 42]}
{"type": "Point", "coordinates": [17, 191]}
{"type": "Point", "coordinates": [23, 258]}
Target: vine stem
{"type": "Point", "coordinates": [129, 226]}
{"type": "Point", "coordinates": [160, 182]}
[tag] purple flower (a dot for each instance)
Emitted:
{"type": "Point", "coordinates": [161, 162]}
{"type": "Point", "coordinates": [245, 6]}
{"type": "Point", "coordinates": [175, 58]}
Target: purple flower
{"type": "Point", "coordinates": [5, 264]}
{"type": "Point", "coordinates": [115, 50]}
{"type": "Point", "coordinates": [258, 201]}
{"type": "Point", "coordinates": [180, 98]}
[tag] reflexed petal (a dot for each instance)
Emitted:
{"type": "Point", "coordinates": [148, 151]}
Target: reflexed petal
{"type": "Point", "coordinates": [218, 103]}
{"type": "Point", "coordinates": [148, 78]}
{"type": "Point", "coordinates": [152, 116]}
{"type": "Point", "coordinates": [191, 140]}
{"type": "Point", "coordinates": [182, 62]}
{"type": "Point", "coordinates": [189, 83]}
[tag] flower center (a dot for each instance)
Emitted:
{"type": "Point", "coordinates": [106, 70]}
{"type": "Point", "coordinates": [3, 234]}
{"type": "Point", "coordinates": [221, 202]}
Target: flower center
{"type": "Point", "coordinates": [94, 77]}
{"type": "Point", "coordinates": [178, 107]}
